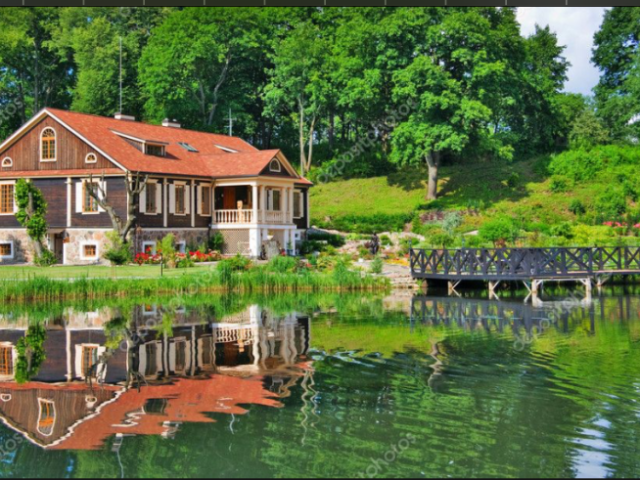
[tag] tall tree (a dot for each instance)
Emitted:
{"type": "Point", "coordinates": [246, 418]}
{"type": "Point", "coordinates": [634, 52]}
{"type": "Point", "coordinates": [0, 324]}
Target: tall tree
{"type": "Point", "coordinates": [447, 82]}
{"type": "Point", "coordinates": [615, 51]}
{"type": "Point", "coordinates": [33, 74]}
{"type": "Point", "coordinates": [188, 69]}
{"type": "Point", "coordinates": [300, 83]}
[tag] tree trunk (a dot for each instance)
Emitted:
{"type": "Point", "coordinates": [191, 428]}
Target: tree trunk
{"type": "Point", "coordinates": [332, 131]}
{"type": "Point", "coordinates": [303, 158]}
{"type": "Point", "coordinates": [433, 162]}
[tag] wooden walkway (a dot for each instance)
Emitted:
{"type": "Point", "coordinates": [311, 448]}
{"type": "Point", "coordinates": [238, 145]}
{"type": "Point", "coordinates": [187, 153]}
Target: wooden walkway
{"type": "Point", "coordinates": [529, 265]}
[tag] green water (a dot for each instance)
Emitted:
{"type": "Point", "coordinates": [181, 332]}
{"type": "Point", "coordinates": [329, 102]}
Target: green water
{"type": "Point", "coordinates": [330, 386]}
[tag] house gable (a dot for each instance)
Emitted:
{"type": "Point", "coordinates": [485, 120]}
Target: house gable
{"type": "Point", "coordinates": [71, 151]}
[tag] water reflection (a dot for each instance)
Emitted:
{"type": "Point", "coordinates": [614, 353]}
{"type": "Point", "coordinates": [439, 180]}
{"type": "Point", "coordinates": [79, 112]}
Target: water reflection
{"type": "Point", "coordinates": [222, 389]}
{"type": "Point", "coordinates": [103, 375]}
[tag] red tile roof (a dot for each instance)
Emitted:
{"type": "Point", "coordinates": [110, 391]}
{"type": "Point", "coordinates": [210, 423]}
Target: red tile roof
{"type": "Point", "coordinates": [209, 161]}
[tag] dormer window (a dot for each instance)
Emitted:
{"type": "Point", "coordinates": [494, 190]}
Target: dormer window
{"type": "Point", "coordinates": [7, 163]}
{"type": "Point", "coordinates": [48, 145]}
{"type": "Point", "coordinates": [155, 150]}
{"type": "Point", "coordinates": [275, 166]}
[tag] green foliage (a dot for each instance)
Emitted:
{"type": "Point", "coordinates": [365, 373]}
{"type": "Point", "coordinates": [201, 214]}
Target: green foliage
{"type": "Point", "coordinates": [451, 222]}
{"type": "Point", "coordinates": [368, 224]}
{"type": "Point", "coordinates": [611, 204]}
{"type": "Point", "coordinates": [559, 184]}
{"type": "Point", "coordinates": [500, 231]}
{"type": "Point", "coordinates": [235, 264]}
{"type": "Point", "coordinates": [282, 265]}
{"type": "Point", "coordinates": [32, 210]}
{"type": "Point", "coordinates": [335, 241]}
{"type": "Point", "coordinates": [588, 131]}
{"type": "Point", "coordinates": [45, 259]}
{"type": "Point", "coordinates": [585, 164]}
{"type": "Point", "coordinates": [577, 207]}
{"type": "Point", "coordinates": [377, 266]}
{"type": "Point", "coordinates": [118, 252]}
{"type": "Point", "coordinates": [31, 353]}
{"type": "Point", "coordinates": [167, 247]}
{"type": "Point", "coordinates": [216, 242]}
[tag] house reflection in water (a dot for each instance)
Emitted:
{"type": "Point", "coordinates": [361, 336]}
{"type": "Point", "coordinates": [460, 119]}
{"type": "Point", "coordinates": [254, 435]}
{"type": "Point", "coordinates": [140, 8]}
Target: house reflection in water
{"type": "Point", "coordinates": [161, 377]}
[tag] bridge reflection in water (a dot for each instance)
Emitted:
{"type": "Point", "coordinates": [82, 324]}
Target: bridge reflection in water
{"type": "Point", "coordinates": [105, 376]}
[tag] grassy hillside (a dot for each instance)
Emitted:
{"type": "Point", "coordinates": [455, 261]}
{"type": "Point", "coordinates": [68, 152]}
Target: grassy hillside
{"type": "Point", "coordinates": [561, 197]}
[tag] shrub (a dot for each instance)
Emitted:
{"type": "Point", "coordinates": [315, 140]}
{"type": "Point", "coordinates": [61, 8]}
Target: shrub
{"type": "Point", "coordinates": [118, 252]}
{"type": "Point", "coordinates": [499, 231]}
{"type": "Point", "coordinates": [216, 242]}
{"type": "Point", "coordinates": [377, 266]}
{"type": "Point", "coordinates": [336, 241]}
{"type": "Point", "coordinates": [235, 264]}
{"type": "Point", "coordinates": [585, 164]}
{"type": "Point", "coordinates": [46, 259]}
{"type": "Point", "coordinates": [513, 180]}
{"type": "Point", "coordinates": [564, 229]}
{"type": "Point", "coordinates": [559, 184]}
{"type": "Point", "coordinates": [385, 241]}
{"type": "Point", "coordinates": [611, 204]}
{"type": "Point", "coordinates": [451, 222]}
{"type": "Point", "coordinates": [368, 224]}
{"type": "Point", "coordinates": [282, 265]}
{"type": "Point", "coordinates": [167, 248]}
{"type": "Point", "coordinates": [184, 261]}
{"type": "Point", "coordinates": [442, 240]}
{"type": "Point", "coordinates": [577, 207]}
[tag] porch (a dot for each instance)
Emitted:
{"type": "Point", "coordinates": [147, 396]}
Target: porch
{"type": "Point", "coordinates": [253, 204]}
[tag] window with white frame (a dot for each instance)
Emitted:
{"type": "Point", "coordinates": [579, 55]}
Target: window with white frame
{"type": "Point", "coordinates": [274, 200]}
{"type": "Point", "coordinates": [205, 201]}
{"type": "Point", "coordinates": [151, 198]}
{"type": "Point", "coordinates": [275, 166]}
{"type": "Point", "coordinates": [7, 163]}
{"type": "Point", "coordinates": [7, 198]}
{"type": "Point", "coordinates": [6, 250]}
{"type": "Point", "coordinates": [150, 248]}
{"type": "Point", "coordinates": [48, 147]}
{"type": "Point", "coordinates": [6, 359]}
{"type": "Point", "coordinates": [85, 201]}
{"type": "Point", "coordinates": [180, 199]}
{"type": "Point", "coordinates": [298, 204]}
{"type": "Point", "coordinates": [91, 158]}
{"type": "Point", "coordinates": [89, 251]}
{"type": "Point", "coordinates": [46, 417]}
{"type": "Point", "coordinates": [181, 247]}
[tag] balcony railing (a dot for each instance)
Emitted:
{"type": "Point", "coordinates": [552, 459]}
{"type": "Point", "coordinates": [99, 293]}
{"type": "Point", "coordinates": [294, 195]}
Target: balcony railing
{"type": "Point", "coordinates": [245, 217]}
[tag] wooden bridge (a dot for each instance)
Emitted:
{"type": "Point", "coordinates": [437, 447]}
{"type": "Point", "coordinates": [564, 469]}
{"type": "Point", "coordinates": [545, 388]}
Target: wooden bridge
{"type": "Point", "coordinates": [533, 266]}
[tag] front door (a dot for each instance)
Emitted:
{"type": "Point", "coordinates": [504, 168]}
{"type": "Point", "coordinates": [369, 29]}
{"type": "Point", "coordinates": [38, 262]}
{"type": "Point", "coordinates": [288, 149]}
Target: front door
{"type": "Point", "coordinates": [58, 246]}
{"type": "Point", "coordinates": [230, 198]}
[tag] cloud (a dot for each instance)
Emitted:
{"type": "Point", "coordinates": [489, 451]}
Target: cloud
{"type": "Point", "coordinates": [575, 28]}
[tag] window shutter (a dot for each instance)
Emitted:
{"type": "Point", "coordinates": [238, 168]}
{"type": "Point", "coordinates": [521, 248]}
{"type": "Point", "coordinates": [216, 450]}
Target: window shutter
{"type": "Point", "coordinates": [102, 194]}
{"type": "Point", "coordinates": [143, 200]}
{"type": "Point", "coordinates": [78, 362]}
{"type": "Point", "coordinates": [15, 200]}
{"type": "Point", "coordinates": [199, 200]}
{"type": "Point", "coordinates": [79, 198]}
{"type": "Point", "coordinates": [172, 199]}
{"type": "Point", "coordinates": [187, 199]}
{"type": "Point", "coordinates": [159, 190]}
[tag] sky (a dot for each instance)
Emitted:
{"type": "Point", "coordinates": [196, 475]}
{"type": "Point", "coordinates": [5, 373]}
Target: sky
{"type": "Point", "coordinates": [575, 27]}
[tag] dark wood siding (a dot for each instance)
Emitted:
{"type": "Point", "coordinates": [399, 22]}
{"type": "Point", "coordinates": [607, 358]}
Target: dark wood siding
{"type": "Point", "coordinates": [117, 198]}
{"type": "Point", "coordinates": [152, 221]}
{"type": "Point", "coordinates": [301, 223]}
{"type": "Point", "coordinates": [55, 193]}
{"type": "Point", "coordinates": [71, 151]}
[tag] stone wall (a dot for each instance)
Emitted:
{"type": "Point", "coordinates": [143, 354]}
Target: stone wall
{"type": "Point", "coordinates": [22, 246]}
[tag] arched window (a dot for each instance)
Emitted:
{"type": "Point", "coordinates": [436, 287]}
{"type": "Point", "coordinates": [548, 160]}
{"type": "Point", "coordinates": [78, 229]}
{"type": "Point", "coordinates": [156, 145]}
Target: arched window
{"type": "Point", "coordinates": [47, 417]}
{"type": "Point", "coordinates": [7, 163]}
{"type": "Point", "coordinates": [91, 158]}
{"type": "Point", "coordinates": [48, 145]}
{"type": "Point", "coordinates": [275, 166]}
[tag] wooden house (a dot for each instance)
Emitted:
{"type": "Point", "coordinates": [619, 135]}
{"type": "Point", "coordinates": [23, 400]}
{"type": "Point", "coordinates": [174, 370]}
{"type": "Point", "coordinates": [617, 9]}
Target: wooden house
{"type": "Point", "coordinates": [195, 185]}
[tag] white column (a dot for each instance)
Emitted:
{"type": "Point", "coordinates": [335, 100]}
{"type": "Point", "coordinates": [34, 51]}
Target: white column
{"type": "Point", "coordinates": [165, 207]}
{"type": "Point", "coordinates": [255, 239]}
{"type": "Point", "coordinates": [307, 207]}
{"type": "Point", "coordinates": [263, 202]}
{"type": "Point", "coordinates": [194, 203]}
{"type": "Point", "coordinates": [291, 200]}
{"type": "Point", "coordinates": [255, 199]}
{"type": "Point", "coordinates": [69, 201]}
{"type": "Point", "coordinates": [287, 239]}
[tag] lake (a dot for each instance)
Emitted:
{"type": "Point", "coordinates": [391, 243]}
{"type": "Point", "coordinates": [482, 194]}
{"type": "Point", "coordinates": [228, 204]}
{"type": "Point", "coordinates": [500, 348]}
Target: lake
{"type": "Point", "coordinates": [323, 386]}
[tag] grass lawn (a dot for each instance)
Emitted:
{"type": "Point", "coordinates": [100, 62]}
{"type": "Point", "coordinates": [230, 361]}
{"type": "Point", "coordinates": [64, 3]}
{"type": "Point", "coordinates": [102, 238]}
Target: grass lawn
{"type": "Point", "coordinates": [521, 189]}
{"type": "Point", "coordinates": [147, 271]}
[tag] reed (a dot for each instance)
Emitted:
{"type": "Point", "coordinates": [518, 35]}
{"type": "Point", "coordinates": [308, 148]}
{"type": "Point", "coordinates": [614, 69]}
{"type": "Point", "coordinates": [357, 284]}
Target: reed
{"type": "Point", "coordinates": [257, 280]}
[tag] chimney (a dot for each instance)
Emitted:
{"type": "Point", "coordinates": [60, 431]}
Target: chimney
{"type": "Point", "coordinates": [170, 123]}
{"type": "Point", "coordinates": [126, 118]}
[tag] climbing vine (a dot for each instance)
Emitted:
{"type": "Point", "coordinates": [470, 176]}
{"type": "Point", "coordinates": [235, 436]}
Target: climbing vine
{"type": "Point", "coordinates": [31, 214]}
{"type": "Point", "coordinates": [31, 354]}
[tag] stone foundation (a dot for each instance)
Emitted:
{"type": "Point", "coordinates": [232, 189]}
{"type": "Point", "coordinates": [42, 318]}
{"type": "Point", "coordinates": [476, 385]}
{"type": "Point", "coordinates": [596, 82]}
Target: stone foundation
{"type": "Point", "coordinates": [22, 246]}
{"type": "Point", "coordinates": [76, 241]}
{"type": "Point", "coordinates": [192, 238]}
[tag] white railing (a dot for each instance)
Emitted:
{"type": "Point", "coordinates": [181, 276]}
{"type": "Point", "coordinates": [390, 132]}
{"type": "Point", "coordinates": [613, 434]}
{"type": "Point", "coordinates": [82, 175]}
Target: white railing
{"type": "Point", "coordinates": [274, 217]}
{"type": "Point", "coordinates": [235, 217]}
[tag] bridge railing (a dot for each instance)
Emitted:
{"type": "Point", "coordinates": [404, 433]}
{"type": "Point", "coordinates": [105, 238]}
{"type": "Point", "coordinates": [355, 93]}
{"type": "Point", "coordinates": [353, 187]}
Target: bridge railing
{"type": "Point", "coordinates": [515, 263]}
